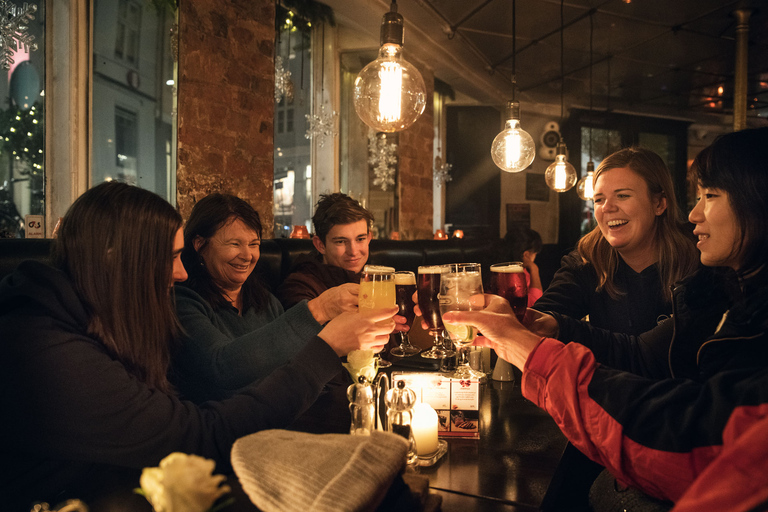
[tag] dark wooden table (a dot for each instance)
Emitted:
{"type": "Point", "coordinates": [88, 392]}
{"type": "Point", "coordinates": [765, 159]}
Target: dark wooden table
{"type": "Point", "coordinates": [512, 464]}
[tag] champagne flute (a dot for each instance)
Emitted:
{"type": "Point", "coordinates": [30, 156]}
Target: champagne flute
{"type": "Point", "coordinates": [457, 286]}
{"type": "Point", "coordinates": [405, 286]}
{"type": "Point", "coordinates": [508, 280]}
{"type": "Point", "coordinates": [428, 288]}
{"type": "Point", "coordinates": [377, 291]}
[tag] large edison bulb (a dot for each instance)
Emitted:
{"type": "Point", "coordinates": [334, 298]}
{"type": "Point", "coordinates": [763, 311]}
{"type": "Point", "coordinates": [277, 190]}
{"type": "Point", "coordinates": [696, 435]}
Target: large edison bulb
{"type": "Point", "coordinates": [513, 148]}
{"type": "Point", "coordinates": [585, 185]}
{"type": "Point", "coordinates": [560, 175]}
{"type": "Point", "coordinates": [389, 93]}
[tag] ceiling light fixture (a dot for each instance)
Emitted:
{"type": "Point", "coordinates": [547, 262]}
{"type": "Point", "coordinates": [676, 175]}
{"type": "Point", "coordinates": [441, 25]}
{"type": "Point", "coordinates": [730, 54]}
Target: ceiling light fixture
{"type": "Point", "coordinates": [560, 176]}
{"type": "Point", "coordinates": [513, 148]}
{"type": "Point", "coordinates": [584, 188]}
{"type": "Point", "coordinates": [389, 93]}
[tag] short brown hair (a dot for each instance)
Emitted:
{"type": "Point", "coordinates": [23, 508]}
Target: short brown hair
{"type": "Point", "coordinates": [337, 208]}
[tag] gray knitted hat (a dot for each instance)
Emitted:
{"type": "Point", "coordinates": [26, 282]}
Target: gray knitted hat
{"type": "Point", "coordinates": [282, 470]}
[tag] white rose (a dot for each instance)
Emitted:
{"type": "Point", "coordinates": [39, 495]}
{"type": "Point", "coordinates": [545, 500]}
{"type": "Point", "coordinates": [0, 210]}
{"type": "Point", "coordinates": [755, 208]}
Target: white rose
{"type": "Point", "coordinates": [182, 483]}
{"type": "Point", "coordinates": [361, 362]}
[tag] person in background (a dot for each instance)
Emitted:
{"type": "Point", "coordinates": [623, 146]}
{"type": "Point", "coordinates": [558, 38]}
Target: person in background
{"type": "Point", "coordinates": [523, 244]}
{"type": "Point", "coordinates": [621, 273]}
{"type": "Point", "coordinates": [341, 239]}
{"type": "Point", "coordinates": [672, 410]}
{"type": "Point", "coordinates": [236, 332]}
{"type": "Point", "coordinates": [87, 346]}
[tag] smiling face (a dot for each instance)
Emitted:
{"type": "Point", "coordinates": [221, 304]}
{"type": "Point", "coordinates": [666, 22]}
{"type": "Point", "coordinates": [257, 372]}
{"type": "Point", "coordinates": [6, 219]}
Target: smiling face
{"type": "Point", "coordinates": [179, 273]}
{"type": "Point", "coordinates": [626, 215]}
{"type": "Point", "coordinates": [346, 245]}
{"type": "Point", "coordinates": [230, 255]}
{"type": "Point", "coordinates": [717, 229]}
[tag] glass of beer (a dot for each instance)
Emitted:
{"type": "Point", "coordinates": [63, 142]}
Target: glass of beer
{"type": "Point", "coordinates": [377, 291]}
{"type": "Point", "coordinates": [457, 286]}
{"type": "Point", "coordinates": [405, 287]}
{"type": "Point", "coordinates": [428, 287]}
{"type": "Point", "coordinates": [509, 280]}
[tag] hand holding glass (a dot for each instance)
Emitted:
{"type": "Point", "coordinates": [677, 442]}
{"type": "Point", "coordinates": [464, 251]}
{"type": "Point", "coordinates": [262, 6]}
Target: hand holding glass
{"type": "Point", "coordinates": [377, 291]}
{"type": "Point", "coordinates": [457, 286]}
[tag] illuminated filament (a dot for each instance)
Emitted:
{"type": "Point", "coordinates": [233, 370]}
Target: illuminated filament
{"type": "Point", "coordinates": [512, 148]}
{"type": "Point", "coordinates": [560, 174]}
{"type": "Point", "coordinates": [589, 192]}
{"type": "Point", "coordinates": [391, 74]}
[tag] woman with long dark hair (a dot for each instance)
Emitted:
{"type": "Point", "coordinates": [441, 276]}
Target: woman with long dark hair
{"type": "Point", "coordinates": [86, 348]}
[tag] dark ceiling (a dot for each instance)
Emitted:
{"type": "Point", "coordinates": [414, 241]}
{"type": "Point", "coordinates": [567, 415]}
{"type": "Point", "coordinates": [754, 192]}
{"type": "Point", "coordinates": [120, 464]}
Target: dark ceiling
{"type": "Point", "coordinates": [675, 57]}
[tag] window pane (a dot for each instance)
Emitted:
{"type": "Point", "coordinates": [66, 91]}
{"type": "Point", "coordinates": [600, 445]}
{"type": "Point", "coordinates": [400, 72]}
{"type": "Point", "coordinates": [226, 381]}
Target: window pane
{"type": "Point", "coordinates": [22, 130]}
{"type": "Point", "coordinates": [293, 166]}
{"type": "Point", "coordinates": [133, 114]}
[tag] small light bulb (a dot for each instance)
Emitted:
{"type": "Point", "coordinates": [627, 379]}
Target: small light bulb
{"type": "Point", "coordinates": [513, 149]}
{"type": "Point", "coordinates": [560, 175]}
{"type": "Point", "coordinates": [585, 185]}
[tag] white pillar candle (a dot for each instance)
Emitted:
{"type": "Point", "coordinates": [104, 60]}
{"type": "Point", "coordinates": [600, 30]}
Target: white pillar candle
{"type": "Point", "coordinates": [424, 427]}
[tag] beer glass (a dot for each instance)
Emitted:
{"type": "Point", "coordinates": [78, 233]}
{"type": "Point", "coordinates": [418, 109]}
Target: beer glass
{"type": "Point", "coordinates": [377, 291]}
{"type": "Point", "coordinates": [457, 286]}
{"type": "Point", "coordinates": [405, 287]}
{"type": "Point", "coordinates": [508, 280]}
{"type": "Point", "coordinates": [428, 286]}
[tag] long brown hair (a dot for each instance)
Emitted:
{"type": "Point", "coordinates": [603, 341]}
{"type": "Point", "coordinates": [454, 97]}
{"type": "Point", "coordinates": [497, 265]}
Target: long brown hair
{"type": "Point", "coordinates": [677, 255]}
{"type": "Point", "coordinates": [116, 244]}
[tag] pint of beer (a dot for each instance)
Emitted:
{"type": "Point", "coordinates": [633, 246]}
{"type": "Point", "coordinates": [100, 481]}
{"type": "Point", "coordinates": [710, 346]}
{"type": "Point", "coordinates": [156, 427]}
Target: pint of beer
{"type": "Point", "coordinates": [508, 280]}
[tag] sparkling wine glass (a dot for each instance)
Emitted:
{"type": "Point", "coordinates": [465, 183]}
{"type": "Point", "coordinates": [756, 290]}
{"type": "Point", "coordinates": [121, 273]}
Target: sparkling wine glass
{"type": "Point", "coordinates": [428, 286]}
{"type": "Point", "coordinates": [457, 286]}
{"type": "Point", "coordinates": [377, 291]}
{"type": "Point", "coordinates": [405, 287]}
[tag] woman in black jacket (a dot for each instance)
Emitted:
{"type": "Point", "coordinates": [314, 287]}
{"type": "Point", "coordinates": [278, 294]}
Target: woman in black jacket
{"type": "Point", "coordinates": [86, 346]}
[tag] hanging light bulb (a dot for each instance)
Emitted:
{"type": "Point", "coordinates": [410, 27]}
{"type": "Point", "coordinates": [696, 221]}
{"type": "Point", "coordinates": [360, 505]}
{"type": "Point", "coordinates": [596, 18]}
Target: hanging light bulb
{"type": "Point", "coordinates": [513, 149]}
{"type": "Point", "coordinates": [585, 185]}
{"type": "Point", "coordinates": [389, 93]}
{"type": "Point", "coordinates": [560, 175]}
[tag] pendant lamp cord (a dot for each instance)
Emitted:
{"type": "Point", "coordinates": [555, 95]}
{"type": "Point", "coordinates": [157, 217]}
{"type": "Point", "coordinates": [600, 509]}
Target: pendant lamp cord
{"type": "Point", "coordinates": [591, 34]}
{"type": "Point", "coordinates": [514, 52]}
{"type": "Point", "coordinates": [562, 64]}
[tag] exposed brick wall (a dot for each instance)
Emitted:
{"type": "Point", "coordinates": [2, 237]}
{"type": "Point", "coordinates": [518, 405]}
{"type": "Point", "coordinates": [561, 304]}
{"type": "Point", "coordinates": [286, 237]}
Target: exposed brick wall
{"type": "Point", "coordinates": [226, 102]}
{"type": "Point", "coordinates": [415, 170]}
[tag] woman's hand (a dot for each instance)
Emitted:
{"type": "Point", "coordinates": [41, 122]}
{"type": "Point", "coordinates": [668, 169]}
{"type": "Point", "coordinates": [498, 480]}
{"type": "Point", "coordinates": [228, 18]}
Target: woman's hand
{"type": "Point", "coordinates": [352, 330]}
{"type": "Point", "coordinates": [542, 324]}
{"type": "Point", "coordinates": [334, 301]}
{"type": "Point", "coordinates": [500, 329]}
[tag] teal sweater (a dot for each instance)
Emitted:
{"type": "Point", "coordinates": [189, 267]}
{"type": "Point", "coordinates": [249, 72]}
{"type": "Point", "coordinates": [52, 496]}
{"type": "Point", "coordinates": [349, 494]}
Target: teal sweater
{"type": "Point", "coordinates": [222, 351]}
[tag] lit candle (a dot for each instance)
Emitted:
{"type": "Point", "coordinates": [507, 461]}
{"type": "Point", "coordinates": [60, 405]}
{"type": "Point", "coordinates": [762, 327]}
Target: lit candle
{"type": "Point", "coordinates": [424, 427]}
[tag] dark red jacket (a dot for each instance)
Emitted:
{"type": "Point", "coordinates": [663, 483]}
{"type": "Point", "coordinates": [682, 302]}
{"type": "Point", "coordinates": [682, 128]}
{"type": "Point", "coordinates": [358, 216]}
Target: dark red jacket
{"type": "Point", "coordinates": [658, 410]}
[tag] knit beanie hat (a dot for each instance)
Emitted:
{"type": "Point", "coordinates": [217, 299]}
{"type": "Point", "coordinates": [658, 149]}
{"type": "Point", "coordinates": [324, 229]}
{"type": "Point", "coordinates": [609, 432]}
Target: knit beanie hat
{"type": "Point", "coordinates": [282, 470]}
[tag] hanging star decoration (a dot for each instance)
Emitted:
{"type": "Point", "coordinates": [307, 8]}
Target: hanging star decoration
{"type": "Point", "coordinates": [13, 31]}
{"type": "Point", "coordinates": [441, 171]}
{"type": "Point", "coordinates": [321, 125]}
{"type": "Point", "coordinates": [283, 83]}
{"type": "Point", "coordinates": [382, 156]}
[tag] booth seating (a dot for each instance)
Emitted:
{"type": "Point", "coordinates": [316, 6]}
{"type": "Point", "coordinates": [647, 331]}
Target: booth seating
{"type": "Point", "coordinates": [279, 255]}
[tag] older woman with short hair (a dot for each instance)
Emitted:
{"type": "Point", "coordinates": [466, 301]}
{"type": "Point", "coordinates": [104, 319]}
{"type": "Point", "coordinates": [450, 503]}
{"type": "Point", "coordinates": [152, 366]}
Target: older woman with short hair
{"type": "Point", "coordinates": [236, 331]}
